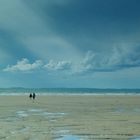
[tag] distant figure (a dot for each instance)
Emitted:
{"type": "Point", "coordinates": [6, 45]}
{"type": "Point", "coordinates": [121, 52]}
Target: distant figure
{"type": "Point", "coordinates": [34, 96]}
{"type": "Point", "coordinates": [30, 96]}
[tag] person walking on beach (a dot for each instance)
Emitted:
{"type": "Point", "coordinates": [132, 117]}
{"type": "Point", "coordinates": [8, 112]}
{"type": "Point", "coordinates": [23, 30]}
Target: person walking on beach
{"type": "Point", "coordinates": [30, 96]}
{"type": "Point", "coordinates": [34, 96]}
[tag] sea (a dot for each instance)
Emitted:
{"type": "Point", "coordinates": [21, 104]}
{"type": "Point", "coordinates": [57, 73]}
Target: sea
{"type": "Point", "coordinates": [68, 91]}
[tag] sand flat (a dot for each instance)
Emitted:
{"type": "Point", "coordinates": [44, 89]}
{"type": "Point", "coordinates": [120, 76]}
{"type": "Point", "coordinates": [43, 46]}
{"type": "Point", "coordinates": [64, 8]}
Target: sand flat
{"type": "Point", "coordinates": [86, 117]}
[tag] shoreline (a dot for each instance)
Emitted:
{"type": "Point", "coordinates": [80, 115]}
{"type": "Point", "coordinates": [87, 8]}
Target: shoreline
{"type": "Point", "coordinates": [72, 94]}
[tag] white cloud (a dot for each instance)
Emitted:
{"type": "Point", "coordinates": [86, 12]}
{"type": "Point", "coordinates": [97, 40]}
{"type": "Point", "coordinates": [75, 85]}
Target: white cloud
{"type": "Point", "coordinates": [24, 65]}
{"type": "Point", "coordinates": [118, 58]}
{"type": "Point", "coordinates": [61, 65]}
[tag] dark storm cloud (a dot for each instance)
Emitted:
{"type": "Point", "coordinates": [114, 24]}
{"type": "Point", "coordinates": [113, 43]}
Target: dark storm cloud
{"type": "Point", "coordinates": [90, 24]}
{"type": "Point", "coordinates": [10, 44]}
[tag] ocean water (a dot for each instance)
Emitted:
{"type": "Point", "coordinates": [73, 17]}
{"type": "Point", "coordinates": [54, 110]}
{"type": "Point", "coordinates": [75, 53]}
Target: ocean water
{"type": "Point", "coordinates": [68, 91]}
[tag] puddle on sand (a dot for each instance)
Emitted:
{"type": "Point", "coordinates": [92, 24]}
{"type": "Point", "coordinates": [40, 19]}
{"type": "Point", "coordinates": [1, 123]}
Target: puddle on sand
{"type": "Point", "coordinates": [21, 114]}
{"type": "Point", "coordinates": [61, 131]}
{"type": "Point", "coordinates": [123, 110]}
{"type": "Point", "coordinates": [136, 138]}
{"type": "Point", "coordinates": [35, 110]}
{"type": "Point", "coordinates": [40, 112]}
{"type": "Point", "coordinates": [68, 137]}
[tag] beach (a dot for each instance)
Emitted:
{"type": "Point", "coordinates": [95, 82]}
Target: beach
{"type": "Point", "coordinates": [65, 117]}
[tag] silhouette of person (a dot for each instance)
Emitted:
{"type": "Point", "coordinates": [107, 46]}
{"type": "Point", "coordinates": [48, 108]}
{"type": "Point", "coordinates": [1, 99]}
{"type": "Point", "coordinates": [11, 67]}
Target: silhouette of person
{"type": "Point", "coordinates": [30, 96]}
{"type": "Point", "coordinates": [34, 96]}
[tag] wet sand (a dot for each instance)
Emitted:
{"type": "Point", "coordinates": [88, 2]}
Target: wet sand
{"type": "Point", "coordinates": [70, 117]}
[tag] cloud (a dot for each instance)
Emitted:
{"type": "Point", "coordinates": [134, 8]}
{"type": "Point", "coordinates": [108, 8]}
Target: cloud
{"type": "Point", "coordinates": [24, 65]}
{"type": "Point", "coordinates": [117, 59]}
{"type": "Point", "coordinates": [61, 65]}
{"type": "Point", "coordinates": [19, 18]}
{"type": "Point", "coordinates": [52, 47]}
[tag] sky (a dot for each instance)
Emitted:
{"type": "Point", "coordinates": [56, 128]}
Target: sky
{"type": "Point", "coordinates": [70, 43]}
